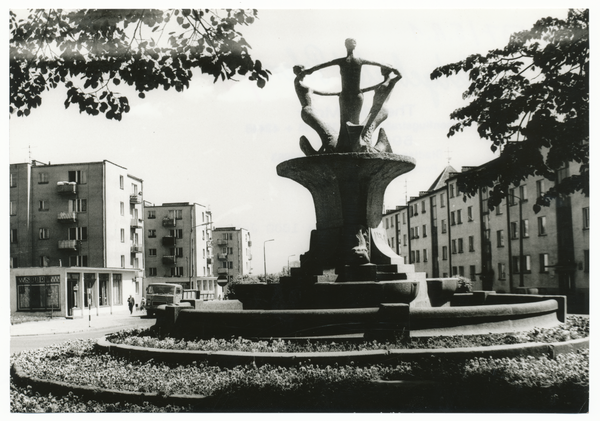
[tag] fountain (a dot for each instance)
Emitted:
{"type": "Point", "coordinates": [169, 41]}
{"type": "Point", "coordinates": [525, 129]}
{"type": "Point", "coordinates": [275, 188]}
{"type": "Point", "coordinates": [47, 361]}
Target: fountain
{"type": "Point", "coordinates": [350, 283]}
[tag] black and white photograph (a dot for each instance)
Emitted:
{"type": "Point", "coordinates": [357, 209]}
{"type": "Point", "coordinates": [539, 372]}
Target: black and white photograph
{"type": "Point", "coordinates": [264, 208]}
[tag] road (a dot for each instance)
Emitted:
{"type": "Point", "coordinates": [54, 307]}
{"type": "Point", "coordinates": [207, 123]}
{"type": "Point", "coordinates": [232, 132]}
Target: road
{"type": "Point", "coordinates": [32, 341]}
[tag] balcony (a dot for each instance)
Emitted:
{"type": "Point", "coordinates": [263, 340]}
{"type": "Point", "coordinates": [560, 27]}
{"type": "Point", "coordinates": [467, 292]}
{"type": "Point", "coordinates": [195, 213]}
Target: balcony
{"type": "Point", "coordinates": [136, 248]}
{"type": "Point", "coordinates": [168, 241]}
{"type": "Point", "coordinates": [68, 244]}
{"type": "Point", "coordinates": [169, 222]}
{"type": "Point", "coordinates": [222, 256]}
{"type": "Point", "coordinates": [168, 260]}
{"type": "Point", "coordinates": [64, 187]}
{"type": "Point", "coordinates": [135, 223]}
{"type": "Point", "coordinates": [221, 242]}
{"type": "Point", "coordinates": [222, 271]}
{"type": "Point", "coordinates": [135, 199]}
{"type": "Point", "coordinates": [67, 217]}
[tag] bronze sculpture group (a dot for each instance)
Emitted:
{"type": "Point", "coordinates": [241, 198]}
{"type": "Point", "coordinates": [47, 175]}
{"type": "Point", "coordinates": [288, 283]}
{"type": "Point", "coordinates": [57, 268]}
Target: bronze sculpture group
{"type": "Point", "coordinates": [353, 135]}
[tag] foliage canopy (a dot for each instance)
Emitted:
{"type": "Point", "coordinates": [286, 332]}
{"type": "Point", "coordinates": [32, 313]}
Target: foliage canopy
{"type": "Point", "coordinates": [531, 100]}
{"type": "Point", "coordinates": [91, 52]}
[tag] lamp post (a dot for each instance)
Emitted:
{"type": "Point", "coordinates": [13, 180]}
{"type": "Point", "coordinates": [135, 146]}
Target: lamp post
{"type": "Point", "coordinates": [265, 256]}
{"type": "Point", "coordinates": [191, 263]}
{"type": "Point", "coordinates": [291, 255]}
{"type": "Point", "coordinates": [521, 232]}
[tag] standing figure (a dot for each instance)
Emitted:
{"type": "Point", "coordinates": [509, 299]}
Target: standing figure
{"type": "Point", "coordinates": [326, 134]}
{"type": "Point", "coordinates": [130, 303]}
{"type": "Point", "coordinates": [351, 96]}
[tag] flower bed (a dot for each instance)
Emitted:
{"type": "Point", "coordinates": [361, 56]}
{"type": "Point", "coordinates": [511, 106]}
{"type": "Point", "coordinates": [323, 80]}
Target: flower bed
{"type": "Point", "coordinates": [524, 384]}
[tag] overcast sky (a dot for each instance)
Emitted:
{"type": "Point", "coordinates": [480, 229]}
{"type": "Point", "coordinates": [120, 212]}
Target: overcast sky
{"type": "Point", "coordinates": [219, 144]}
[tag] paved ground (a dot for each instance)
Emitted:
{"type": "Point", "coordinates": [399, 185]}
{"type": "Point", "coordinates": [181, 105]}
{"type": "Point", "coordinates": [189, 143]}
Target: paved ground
{"type": "Point", "coordinates": [62, 325]}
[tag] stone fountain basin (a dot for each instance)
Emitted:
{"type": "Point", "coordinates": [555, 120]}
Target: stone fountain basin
{"type": "Point", "coordinates": [480, 312]}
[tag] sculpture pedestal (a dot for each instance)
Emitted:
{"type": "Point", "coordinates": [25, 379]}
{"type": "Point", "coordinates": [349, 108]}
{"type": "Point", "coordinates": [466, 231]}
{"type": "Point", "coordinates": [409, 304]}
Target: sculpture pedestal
{"type": "Point", "coordinates": [348, 191]}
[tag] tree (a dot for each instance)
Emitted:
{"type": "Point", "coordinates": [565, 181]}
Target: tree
{"type": "Point", "coordinates": [531, 100]}
{"type": "Point", "coordinates": [91, 52]}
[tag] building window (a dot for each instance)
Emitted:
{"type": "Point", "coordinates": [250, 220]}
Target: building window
{"type": "Point", "coordinates": [403, 218]}
{"type": "Point", "coordinates": [122, 260]}
{"type": "Point", "coordinates": [152, 272]}
{"type": "Point", "coordinates": [13, 180]}
{"type": "Point", "coordinates": [134, 189]}
{"type": "Point", "coordinates": [514, 230]}
{"type": "Point", "coordinates": [151, 252]}
{"type": "Point", "coordinates": [586, 218]}
{"type": "Point", "coordinates": [460, 245]}
{"type": "Point", "coordinates": [44, 233]}
{"type": "Point", "coordinates": [512, 198]}
{"type": "Point", "coordinates": [425, 255]}
{"type": "Point", "coordinates": [444, 226]}
{"type": "Point", "coordinates": [122, 235]}
{"type": "Point", "coordinates": [121, 182]}
{"type": "Point", "coordinates": [539, 188]}
{"type": "Point", "coordinates": [78, 205]}
{"type": "Point", "coordinates": [470, 213]}
{"type": "Point", "coordinates": [442, 201]}
{"type": "Point", "coordinates": [44, 261]}
{"type": "Point", "coordinates": [525, 228]}
{"type": "Point", "coordinates": [13, 236]}
{"type": "Point", "coordinates": [151, 214]}
{"type": "Point", "coordinates": [103, 289]}
{"type": "Point", "coordinates": [176, 214]}
{"type": "Point", "coordinates": [43, 205]}
{"type": "Point", "coordinates": [501, 271]}
{"type": "Point", "coordinates": [523, 193]}
{"type": "Point", "coordinates": [499, 209]}
{"type": "Point", "coordinates": [78, 177]}
{"type": "Point", "coordinates": [423, 206]}
{"type": "Point", "coordinates": [14, 262]}
{"type": "Point", "coordinates": [515, 264]}
{"type": "Point", "coordinates": [544, 262]}
{"type": "Point", "coordinates": [451, 191]}
{"type": "Point", "coordinates": [541, 225]}
{"type": "Point", "coordinates": [452, 218]}
{"type": "Point", "coordinates": [454, 271]}
{"type": "Point", "coordinates": [472, 271]}
{"type": "Point", "coordinates": [179, 252]}
{"type": "Point", "coordinates": [471, 243]}
{"type": "Point", "coordinates": [412, 256]}
{"type": "Point", "coordinates": [417, 256]}
{"type": "Point", "coordinates": [444, 252]}
{"type": "Point", "coordinates": [122, 209]}
{"type": "Point", "coordinates": [586, 261]}
{"type": "Point", "coordinates": [424, 231]}
{"type": "Point", "coordinates": [40, 292]}
{"type": "Point", "coordinates": [78, 261]}
{"type": "Point", "coordinates": [453, 246]}
{"type": "Point", "coordinates": [500, 238]}
{"type": "Point", "coordinates": [526, 264]}
{"type": "Point", "coordinates": [459, 216]}
{"type": "Point", "coordinates": [77, 233]}
{"type": "Point", "coordinates": [42, 178]}
{"type": "Point", "coordinates": [151, 233]}
{"type": "Point", "coordinates": [117, 289]}
{"type": "Point", "coordinates": [176, 233]}
{"type": "Point", "coordinates": [461, 271]}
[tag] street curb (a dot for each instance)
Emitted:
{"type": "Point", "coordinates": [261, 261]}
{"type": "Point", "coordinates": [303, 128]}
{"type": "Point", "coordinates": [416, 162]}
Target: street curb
{"type": "Point", "coordinates": [233, 358]}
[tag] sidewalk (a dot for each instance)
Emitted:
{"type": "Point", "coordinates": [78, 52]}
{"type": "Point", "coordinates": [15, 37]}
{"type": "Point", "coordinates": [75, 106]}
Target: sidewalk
{"type": "Point", "coordinates": [57, 325]}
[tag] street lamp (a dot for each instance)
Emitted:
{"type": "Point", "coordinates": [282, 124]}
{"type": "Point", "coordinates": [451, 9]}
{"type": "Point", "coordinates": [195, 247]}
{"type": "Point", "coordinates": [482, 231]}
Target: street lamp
{"type": "Point", "coordinates": [265, 256]}
{"type": "Point", "coordinates": [291, 255]}
{"type": "Point", "coordinates": [191, 262]}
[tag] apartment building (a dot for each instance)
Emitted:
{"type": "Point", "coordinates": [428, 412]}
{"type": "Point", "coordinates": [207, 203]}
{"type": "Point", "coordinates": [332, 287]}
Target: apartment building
{"type": "Point", "coordinates": [509, 248]}
{"type": "Point", "coordinates": [178, 240]}
{"type": "Point", "coordinates": [233, 252]}
{"type": "Point", "coordinates": [75, 237]}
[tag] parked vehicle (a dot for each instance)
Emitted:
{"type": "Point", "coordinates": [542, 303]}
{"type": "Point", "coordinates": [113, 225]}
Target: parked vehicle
{"type": "Point", "coordinates": [162, 294]}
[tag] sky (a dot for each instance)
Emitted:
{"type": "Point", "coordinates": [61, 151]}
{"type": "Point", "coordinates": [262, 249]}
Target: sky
{"type": "Point", "coordinates": [219, 144]}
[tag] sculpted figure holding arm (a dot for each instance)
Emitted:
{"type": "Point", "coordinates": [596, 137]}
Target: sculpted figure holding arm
{"type": "Point", "coordinates": [378, 112]}
{"type": "Point", "coordinates": [351, 96]}
{"type": "Point", "coordinates": [326, 134]}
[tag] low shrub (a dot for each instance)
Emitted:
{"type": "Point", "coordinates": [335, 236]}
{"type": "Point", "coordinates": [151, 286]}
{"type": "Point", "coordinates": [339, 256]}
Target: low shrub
{"type": "Point", "coordinates": [524, 384]}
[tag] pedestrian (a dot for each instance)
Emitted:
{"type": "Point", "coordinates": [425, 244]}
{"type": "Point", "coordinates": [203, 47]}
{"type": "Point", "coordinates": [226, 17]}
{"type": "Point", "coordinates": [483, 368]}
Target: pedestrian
{"type": "Point", "coordinates": [131, 303]}
{"type": "Point", "coordinates": [142, 304]}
